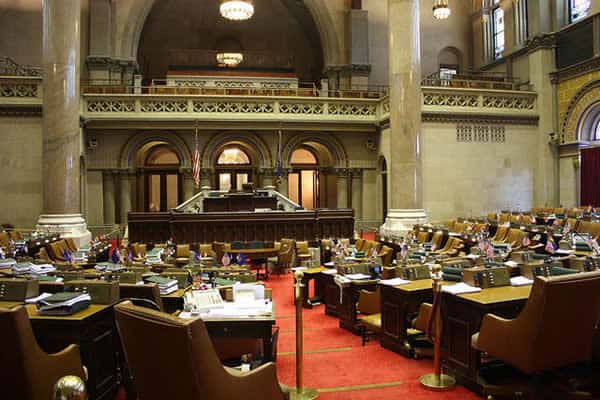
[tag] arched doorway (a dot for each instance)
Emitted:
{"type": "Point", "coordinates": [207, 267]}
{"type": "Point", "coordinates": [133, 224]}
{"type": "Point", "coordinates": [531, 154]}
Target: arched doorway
{"type": "Point", "coordinates": [589, 131]}
{"type": "Point", "coordinates": [303, 180]}
{"type": "Point", "coordinates": [159, 185]}
{"type": "Point", "coordinates": [234, 168]}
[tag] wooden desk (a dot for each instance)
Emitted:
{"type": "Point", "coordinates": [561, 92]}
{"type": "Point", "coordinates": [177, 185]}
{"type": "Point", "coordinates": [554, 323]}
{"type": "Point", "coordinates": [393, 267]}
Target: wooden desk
{"type": "Point", "coordinates": [399, 305]}
{"type": "Point", "coordinates": [348, 310]}
{"type": "Point", "coordinates": [331, 293]}
{"type": "Point", "coordinates": [461, 318]}
{"type": "Point", "coordinates": [174, 301]}
{"type": "Point", "coordinates": [259, 327]}
{"type": "Point", "coordinates": [255, 254]}
{"type": "Point", "coordinates": [10, 304]}
{"type": "Point", "coordinates": [308, 275]}
{"type": "Point", "coordinates": [93, 329]}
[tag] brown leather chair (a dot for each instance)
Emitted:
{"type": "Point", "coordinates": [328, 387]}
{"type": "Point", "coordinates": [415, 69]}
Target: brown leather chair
{"type": "Point", "coordinates": [302, 252]}
{"type": "Point", "coordinates": [554, 329]}
{"type": "Point", "coordinates": [182, 254]}
{"type": "Point", "coordinates": [358, 245]}
{"type": "Point", "coordinates": [501, 233]}
{"type": "Point", "coordinates": [140, 252]}
{"type": "Point", "coordinates": [206, 250]}
{"type": "Point", "coordinates": [70, 243]}
{"type": "Point", "coordinates": [369, 305]}
{"type": "Point", "coordinates": [189, 367]}
{"type": "Point", "coordinates": [149, 292]}
{"type": "Point", "coordinates": [4, 237]}
{"type": "Point", "coordinates": [386, 255]}
{"type": "Point", "coordinates": [29, 373]}
{"type": "Point", "coordinates": [285, 257]}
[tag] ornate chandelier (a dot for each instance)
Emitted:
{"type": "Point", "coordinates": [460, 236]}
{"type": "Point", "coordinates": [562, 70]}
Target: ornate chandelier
{"type": "Point", "coordinates": [229, 59]}
{"type": "Point", "coordinates": [237, 10]}
{"type": "Point", "coordinates": [441, 10]}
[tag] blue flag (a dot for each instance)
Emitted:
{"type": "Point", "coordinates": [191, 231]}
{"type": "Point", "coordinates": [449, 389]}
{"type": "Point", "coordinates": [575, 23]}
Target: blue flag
{"type": "Point", "coordinates": [130, 255]}
{"type": "Point", "coordinates": [67, 255]}
{"type": "Point", "coordinates": [116, 256]}
{"type": "Point", "coordinates": [196, 256]}
{"type": "Point", "coordinates": [241, 258]}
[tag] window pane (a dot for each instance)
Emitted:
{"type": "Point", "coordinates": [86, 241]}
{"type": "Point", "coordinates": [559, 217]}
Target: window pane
{"type": "Point", "coordinates": [172, 190]}
{"type": "Point", "coordinates": [303, 156]}
{"type": "Point", "coordinates": [225, 182]}
{"type": "Point", "coordinates": [498, 26]}
{"type": "Point", "coordinates": [154, 201]}
{"type": "Point", "coordinates": [308, 189]}
{"type": "Point", "coordinates": [597, 130]}
{"type": "Point", "coordinates": [293, 187]}
{"type": "Point", "coordinates": [240, 180]}
{"type": "Point", "coordinates": [233, 155]}
{"type": "Point", "coordinates": [579, 9]}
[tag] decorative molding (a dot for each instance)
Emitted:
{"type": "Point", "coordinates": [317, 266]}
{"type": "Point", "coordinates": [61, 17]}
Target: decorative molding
{"type": "Point", "coordinates": [20, 111]}
{"type": "Point", "coordinates": [585, 97]}
{"type": "Point", "coordinates": [486, 133]}
{"type": "Point", "coordinates": [8, 67]}
{"type": "Point", "coordinates": [482, 119]}
{"type": "Point", "coordinates": [573, 71]}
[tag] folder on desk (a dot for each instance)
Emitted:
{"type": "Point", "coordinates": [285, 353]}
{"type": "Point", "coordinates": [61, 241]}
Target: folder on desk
{"type": "Point", "coordinates": [65, 303]}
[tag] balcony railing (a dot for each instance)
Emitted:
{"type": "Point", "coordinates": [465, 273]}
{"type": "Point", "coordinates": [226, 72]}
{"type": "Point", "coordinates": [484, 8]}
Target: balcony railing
{"type": "Point", "coordinates": [475, 80]}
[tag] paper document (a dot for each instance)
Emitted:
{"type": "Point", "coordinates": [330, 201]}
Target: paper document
{"type": "Point", "coordinates": [299, 268]}
{"type": "Point", "coordinates": [33, 300]}
{"type": "Point", "coordinates": [460, 288]}
{"type": "Point", "coordinates": [511, 264]}
{"type": "Point", "coordinates": [562, 251]}
{"type": "Point", "coordinates": [356, 277]}
{"type": "Point", "coordinates": [329, 264]}
{"type": "Point", "coordinates": [330, 271]}
{"type": "Point", "coordinates": [394, 282]}
{"type": "Point", "coordinates": [473, 256]}
{"type": "Point", "coordinates": [520, 281]}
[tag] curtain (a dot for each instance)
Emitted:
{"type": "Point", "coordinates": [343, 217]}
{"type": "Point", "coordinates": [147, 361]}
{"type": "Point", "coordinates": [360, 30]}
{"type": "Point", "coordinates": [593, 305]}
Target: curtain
{"type": "Point", "coordinates": [590, 177]}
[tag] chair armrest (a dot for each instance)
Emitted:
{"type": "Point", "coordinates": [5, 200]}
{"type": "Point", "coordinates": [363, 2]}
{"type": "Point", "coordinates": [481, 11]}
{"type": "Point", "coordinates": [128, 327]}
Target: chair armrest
{"type": "Point", "coordinates": [260, 380]}
{"type": "Point", "coordinates": [65, 362]}
{"type": "Point", "coordinates": [420, 322]}
{"type": "Point", "coordinates": [496, 337]}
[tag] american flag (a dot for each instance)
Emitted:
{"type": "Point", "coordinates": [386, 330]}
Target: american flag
{"type": "Point", "coordinates": [404, 251]}
{"type": "Point", "coordinates": [196, 163]}
{"type": "Point", "coordinates": [489, 251]}
{"type": "Point", "coordinates": [279, 166]}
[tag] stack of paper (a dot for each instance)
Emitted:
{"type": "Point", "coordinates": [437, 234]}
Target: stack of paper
{"type": "Point", "coordinates": [41, 269]}
{"type": "Point", "coordinates": [108, 267]}
{"type": "Point", "coordinates": [33, 300]}
{"type": "Point", "coordinates": [520, 281]}
{"type": "Point", "coordinates": [22, 268]}
{"type": "Point", "coordinates": [165, 285]}
{"type": "Point", "coordinates": [356, 277]}
{"type": "Point", "coordinates": [154, 256]}
{"type": "Point", "coordinates": [332, 271]}
{"type": "Point", "coordinates": [460, 288]}
{"type": "Point", "coordinates": [511, 264]}
{"type": "Point", "coordinates": [64, 303]}
{"type": "Point", "coordinates": [7, 262]}
{"type": "Point", "coordinates": [329, 264]}
{"type": "Point", "coordinates": [394, 282]}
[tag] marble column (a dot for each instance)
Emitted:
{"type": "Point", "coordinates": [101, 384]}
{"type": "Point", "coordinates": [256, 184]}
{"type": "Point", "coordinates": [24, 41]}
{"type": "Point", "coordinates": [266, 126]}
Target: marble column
{"type": "Point", "coordinates": [60, 121]}
{"type": "Point", "coordinates": [406, 205]}
{"type": "Point", "coordinates": [342, 188]}
{"type": "Point", "coordinates": [357, 193]}
{"type": "Point", "coordinates": [108, 197]}
{"type": "Point", "coordinates": [125, 192]}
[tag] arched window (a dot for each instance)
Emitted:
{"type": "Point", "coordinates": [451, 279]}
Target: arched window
{"type": "Point", "coordinates": [162, 155]}
{"type": "Point", "coordinates": [498, 29]}
{"type": "Point", "coordinates": [162, 184]}
{"type": "Point", "coordinates": [596, 131]}
{"type": "Point", "coordinates": [233, 168]}
{"type": "Point", "coordinates": [303, 181]}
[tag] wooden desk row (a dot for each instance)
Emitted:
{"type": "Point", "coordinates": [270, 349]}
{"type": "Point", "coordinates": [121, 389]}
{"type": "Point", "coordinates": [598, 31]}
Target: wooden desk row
{"type": "Point", "coordinates": [461, 316]}
{"type": "Point", "coordinates": [94, 331]}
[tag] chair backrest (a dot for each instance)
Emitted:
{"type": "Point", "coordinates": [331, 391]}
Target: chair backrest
{"type": "Point", "coordinates": [556, 304]}
{"type": "Point", "coordinates": [188, 368]}
{"type": "Point", "coordinates": [302, 247]}
{"type": "Point", "coordinates": [422, 236]}
{"type": "Point", "coordinates": [71, 244]}
{"type": "Point", "coordinates": [501, 233]}
{"type": "Point", "coordinates": [28, 372]}
{"type": "Point", "coordinates": [436, 239]}
{"type": "Point", "coordinates": [358, 245]}
{"type": "Point", "coordinates": [147, 291]}
{"type": "Point", "coordinates": [4, 236]}
{"type": "Point", "coordinates": [206, 248]}
{"type": "Point", "coordinates": [369, 302]}
{"type": "Point", "coordinates": [386, 254]}
{"type": "Point", "coordinates": [16, 235]}
{"type": "Point", "coordinates": [183, 250]}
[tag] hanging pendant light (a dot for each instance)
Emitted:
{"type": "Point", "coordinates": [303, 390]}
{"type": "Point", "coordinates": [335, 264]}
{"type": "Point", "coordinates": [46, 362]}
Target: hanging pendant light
{"type": "Point", "coordinates": [441, 10]}
{"type": "Point", "coordinates": [237, 10]}
{"type": "Point", "coordinates": [229, 59]}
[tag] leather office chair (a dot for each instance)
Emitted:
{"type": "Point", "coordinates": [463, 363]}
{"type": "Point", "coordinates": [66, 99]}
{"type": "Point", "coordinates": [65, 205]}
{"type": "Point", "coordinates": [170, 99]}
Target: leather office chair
{"type": "Point", "coordinates": [501, 233]}
{"type": "Point", "coordinates": [206, 250]}
{"type": "Point", "coordinates": [4, 236]}
{"type": "Point", "coordinates": [29, 373]}
{"type": "Point", "coordinates": [534, 342]}
{"type": "Point", "coordinates": [182, 254]}
{"type": "Point", "coordinates": [189, 366]}
{"type": "Point", "coordinates": [369, 306]}
{"type": "Point", "coordinates": [71, 244]}
{"type": "Point", "coordinates": [140, 252]}
{"type": "Point", "coordinates": [285, 257]}
{"type": "Point", "coordinates": [302, 252]}
{"type": "Point", "coordinates": [423, 236]}
{"type": "Point", "coordinates": [149, 292]}
{"type": "Point", "coordinates": [358, 245]}
{"type": "Point", "coordinates": [386, 254]}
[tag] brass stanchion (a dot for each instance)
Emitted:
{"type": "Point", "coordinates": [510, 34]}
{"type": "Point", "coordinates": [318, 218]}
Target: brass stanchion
{"type": "Point", "coordinates": [70, 387]}
{"type": "Point", "coordinates": [437, 380]}
{"type": "Point", "coordinates": [300, 392]}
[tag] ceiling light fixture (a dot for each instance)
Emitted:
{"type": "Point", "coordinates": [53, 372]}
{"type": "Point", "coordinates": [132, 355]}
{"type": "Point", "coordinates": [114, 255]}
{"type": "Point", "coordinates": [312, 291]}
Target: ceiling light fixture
{"type": "Point", "coordinates": [229, 59]}
{"type": "Point", "coordinates": [441, 10]}
{"type": "Point", "coordinates": [237, 10]}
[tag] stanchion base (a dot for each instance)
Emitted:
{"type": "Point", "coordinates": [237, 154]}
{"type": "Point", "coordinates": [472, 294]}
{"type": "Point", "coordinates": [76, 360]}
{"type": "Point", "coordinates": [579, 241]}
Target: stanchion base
{"type": "Point", "coordinates": [438, 382]}
{"type": "Point", "coordinates": [306, 394]}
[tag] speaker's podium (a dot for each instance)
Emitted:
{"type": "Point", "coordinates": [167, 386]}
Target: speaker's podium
{"type": "Point", "coordinates": [262, 214]}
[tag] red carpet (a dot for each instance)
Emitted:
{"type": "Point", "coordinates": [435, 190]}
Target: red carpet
{"type": "Point", "coordinates": [336, 363]}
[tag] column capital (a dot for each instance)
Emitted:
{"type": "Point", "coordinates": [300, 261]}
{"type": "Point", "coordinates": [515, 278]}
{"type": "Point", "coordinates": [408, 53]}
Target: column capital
{"type": "Point", "coordinates": [356, 173]}
{"type": "Point", "coordinates": [342, 172]}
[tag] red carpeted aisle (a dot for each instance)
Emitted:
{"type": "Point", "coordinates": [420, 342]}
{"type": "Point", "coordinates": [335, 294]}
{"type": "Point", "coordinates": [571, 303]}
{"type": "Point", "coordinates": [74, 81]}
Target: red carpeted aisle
{"type": "Point", "coordinates": [335, 362]}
